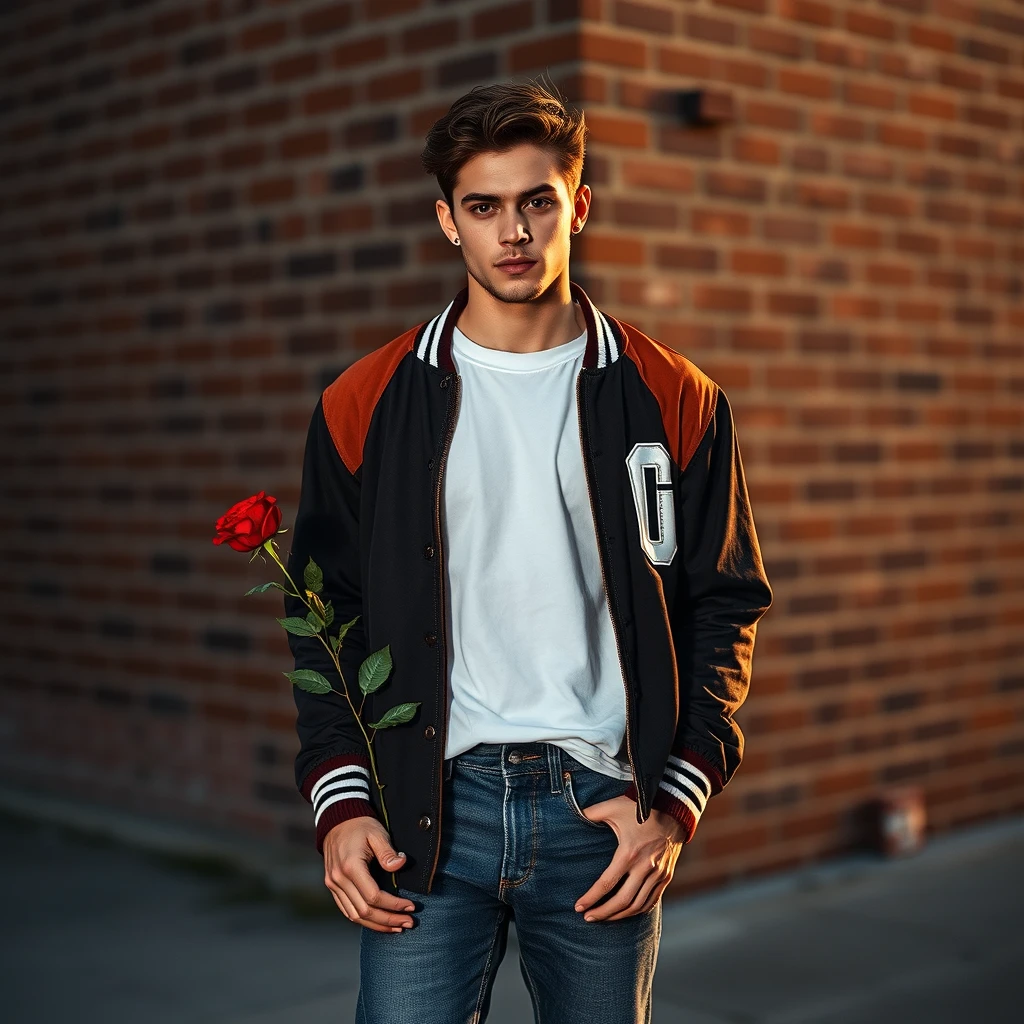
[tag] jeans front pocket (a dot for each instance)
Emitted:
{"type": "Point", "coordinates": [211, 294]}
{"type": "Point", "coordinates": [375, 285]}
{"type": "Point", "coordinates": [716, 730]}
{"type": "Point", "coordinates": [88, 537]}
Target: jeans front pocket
{"type": "Point", "coordinates": [571, 802]}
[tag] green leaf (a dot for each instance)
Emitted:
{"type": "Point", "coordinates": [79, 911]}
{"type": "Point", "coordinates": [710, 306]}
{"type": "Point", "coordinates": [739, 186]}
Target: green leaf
{"type": "Point", "coordinates": [300, 627]}
{"type": "Point", "coordinates": [263, 588]}
{"type": "Point", "coordinates": [375, 669]}
{"type": "Point", "coordinates": [329, 609]}
{"type": "Point", "coordinates": [398, 715]}
{"type": "Point", "coordinates": [336, 641]}
{"type": "Point", "coordinates": [309, 680]}
{"type": "Point", "coordinates": [313, 577]}
{"type": "Point", "coordinates": [314, 621]}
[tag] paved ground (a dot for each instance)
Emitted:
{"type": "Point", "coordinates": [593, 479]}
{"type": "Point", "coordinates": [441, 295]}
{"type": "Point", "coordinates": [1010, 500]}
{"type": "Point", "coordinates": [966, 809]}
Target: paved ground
{"type": "Point", "coordinates": [96, 932]}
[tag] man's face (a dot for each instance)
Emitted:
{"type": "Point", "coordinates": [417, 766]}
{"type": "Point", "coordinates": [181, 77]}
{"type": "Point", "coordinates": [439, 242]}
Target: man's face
{"type": "Point", "coordinates": [514, 205]}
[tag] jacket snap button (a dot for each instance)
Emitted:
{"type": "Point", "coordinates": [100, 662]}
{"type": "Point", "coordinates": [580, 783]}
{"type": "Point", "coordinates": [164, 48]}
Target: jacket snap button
{"type": "Point", "coordinates": [515, 757]}
{"type": "Point", "coordinates": [425, 822]}
{"type": "Point", "coordinates": [429, 732]}
{"type": "Point", "coordinates": [428, 551]}
{"type": "Point", "coordinates": [431, 639]}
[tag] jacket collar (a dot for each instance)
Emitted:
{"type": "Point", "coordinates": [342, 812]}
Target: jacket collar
{"type": "Point", "coordinates": [433, 342]}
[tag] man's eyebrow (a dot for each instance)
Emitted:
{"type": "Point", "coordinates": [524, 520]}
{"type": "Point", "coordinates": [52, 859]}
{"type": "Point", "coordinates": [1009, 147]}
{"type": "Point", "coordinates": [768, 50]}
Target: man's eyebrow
{"type": "Point", "coordinates": [480, 197]}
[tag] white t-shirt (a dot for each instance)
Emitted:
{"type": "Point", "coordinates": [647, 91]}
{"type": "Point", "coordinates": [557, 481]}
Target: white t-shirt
{"type": "Point", "coordinates": [532, 653]}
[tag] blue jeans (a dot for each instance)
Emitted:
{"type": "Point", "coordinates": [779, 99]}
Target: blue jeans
{"type": "Point", "coordinates": [514, 844]}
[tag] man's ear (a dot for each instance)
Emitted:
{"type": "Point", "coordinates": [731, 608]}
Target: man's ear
{"type": "Point", "coordinates": [581, 206]}
{"type": "Point", "coordinates": [445, 219]}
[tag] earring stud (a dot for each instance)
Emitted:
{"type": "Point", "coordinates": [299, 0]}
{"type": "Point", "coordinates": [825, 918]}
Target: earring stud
{"type": "Point", "coordinates": [456, 239]}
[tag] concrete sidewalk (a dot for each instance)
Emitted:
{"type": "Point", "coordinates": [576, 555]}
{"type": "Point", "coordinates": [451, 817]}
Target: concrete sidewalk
{"type": "Point", "coordinates": [97, 932]}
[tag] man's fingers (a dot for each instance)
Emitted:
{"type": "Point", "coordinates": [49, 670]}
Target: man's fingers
{"type": "Point", "coordinates": [349, 848]}
{"type": "Point", "coordinates": [357, 870]}
{"type": "Point", "coordinates": [362, 900]}
{"type": "Point", "coordinates": [606, 881]}
{"type": "Point", "coordinates": [390, 901]}
{"type": "Point", "coordinates": [334, 888]}
{"type": "Point", "coordinates": [372, 902]}
{"type": "Point", "coordinates": [383, 898]}
{"type": "Point", "coordinates": [372, 919]}
{"type": "Point", "coordinates": [344, 903]}
{"type": "Point", "coordinates": [644, 900]}
{"type": "Point", "coordinates": [656, 894]}
{"type": "Point", "coordinates": [369, 892]}
{"type": "Point", "coordinates": [620, 901]}
{"type": "Point", "coordinates": [365, 911]}
{"type": "Point", "coordinates": [386, 855]}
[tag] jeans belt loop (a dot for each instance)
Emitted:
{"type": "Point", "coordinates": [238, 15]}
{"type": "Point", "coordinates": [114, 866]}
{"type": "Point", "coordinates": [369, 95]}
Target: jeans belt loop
{"type": "Point", "coordinates": [555, 767]}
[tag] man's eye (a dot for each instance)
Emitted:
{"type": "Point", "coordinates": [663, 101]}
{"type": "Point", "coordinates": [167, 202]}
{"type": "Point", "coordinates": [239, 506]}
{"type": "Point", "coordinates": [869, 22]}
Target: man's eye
{"type": "Point", "coordinates": [536, 199]}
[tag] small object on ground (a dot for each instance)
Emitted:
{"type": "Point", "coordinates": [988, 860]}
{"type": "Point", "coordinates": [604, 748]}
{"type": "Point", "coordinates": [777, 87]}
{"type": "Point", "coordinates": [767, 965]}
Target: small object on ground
{"type": "Point", "coordinates": [901, 821]}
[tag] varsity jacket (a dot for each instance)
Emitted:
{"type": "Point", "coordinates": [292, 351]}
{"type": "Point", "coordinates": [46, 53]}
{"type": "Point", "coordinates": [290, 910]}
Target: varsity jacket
{"type": "Point", "coordinates": [679, 557]}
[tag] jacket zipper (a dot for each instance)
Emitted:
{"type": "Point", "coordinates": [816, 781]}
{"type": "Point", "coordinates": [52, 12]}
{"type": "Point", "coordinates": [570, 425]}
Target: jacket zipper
{"type": "Point", "coordinates": [444, 622]}
{"type": "Point", "coordinates": [611, 613]}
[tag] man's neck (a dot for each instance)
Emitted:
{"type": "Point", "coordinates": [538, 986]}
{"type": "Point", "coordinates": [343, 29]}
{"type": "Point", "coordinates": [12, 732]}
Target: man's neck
{"type": "Point", "coordinates": [520, 326]}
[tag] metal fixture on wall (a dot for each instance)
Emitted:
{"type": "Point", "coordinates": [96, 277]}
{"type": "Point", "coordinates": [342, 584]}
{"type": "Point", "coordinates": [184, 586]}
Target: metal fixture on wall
{"type": "Point", "coordinates": [703, 107]}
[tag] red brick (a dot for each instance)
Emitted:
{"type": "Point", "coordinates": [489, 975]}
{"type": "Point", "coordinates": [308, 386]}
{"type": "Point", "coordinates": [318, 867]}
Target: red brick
{"type": "Point", "coordinates": [721, 298]}
{"type": "Point", "coordinates": [811, 12]}
{"type": "Point", "coordinates": [359, 51]}
{"type": "Point", "coordinates": [329, 17]}
{"type": "Point", "coordinates": [334, 97]}
{"type": "Point", "coordinates": [618, 131]}
{"type": "Point", "coordinates": [608, 249]}
{"type": "Point", "coordinates": [294, 67]}
{"type": "Point", "coordinates": [807, 529]}
{"type": "Point", "coordinates": [611, 48]}
{"type": "Point", "coordinates": [805, 83]}
{"type": "Point", "coordinates": [662, 176]}
{"type": "Point", "coordinates": [497, 21]}
{"type": "Point", "coordinates": [808, 825]}
{"type": "Point", "coordinates": [647, 17]}
{"type": "Point", "coordinates": [678, 60]}
{"type": "Point", "coordinates": [262, 35]}
{"type": "Point", "coordinates": [396, 84]}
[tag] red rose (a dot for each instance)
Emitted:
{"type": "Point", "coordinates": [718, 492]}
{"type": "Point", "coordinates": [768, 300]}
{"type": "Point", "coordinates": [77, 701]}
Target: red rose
{"type": "Point", "coordinates": [248, 524]}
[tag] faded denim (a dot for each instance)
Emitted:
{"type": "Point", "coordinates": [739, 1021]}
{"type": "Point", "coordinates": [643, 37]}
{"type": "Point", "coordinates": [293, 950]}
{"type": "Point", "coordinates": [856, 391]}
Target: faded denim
{"type": "Point", "coordinates": [514, 844]}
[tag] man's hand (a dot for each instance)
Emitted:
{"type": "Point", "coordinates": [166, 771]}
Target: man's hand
{"type": "Point", "coordinates": [646, 855]}
{"type": "Point", "coordinates": [348, 849]}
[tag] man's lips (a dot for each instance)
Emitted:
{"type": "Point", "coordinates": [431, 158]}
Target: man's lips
{"type": "Point", "coordinates": [516, 266]}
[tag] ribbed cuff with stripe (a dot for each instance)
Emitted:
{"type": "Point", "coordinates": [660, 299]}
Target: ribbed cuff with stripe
{"type": "Point", "coordinates": [338, 789]}
{"type": "Point", "coordinates": [685, 787]}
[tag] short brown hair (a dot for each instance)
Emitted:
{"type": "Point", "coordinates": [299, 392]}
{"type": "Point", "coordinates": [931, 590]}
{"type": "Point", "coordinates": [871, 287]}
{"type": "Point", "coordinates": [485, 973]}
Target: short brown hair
{"type": "Point", "coordinates": [498, 117]}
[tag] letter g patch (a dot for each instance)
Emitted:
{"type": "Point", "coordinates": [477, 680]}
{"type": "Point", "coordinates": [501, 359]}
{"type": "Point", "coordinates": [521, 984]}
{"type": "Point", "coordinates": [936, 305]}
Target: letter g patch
{"type": "Point", "coordinates": [649, 466]}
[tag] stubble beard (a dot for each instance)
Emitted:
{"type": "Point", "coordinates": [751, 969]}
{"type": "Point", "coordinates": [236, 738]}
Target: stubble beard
{"type": "Point", "coordinates": [513, 292]}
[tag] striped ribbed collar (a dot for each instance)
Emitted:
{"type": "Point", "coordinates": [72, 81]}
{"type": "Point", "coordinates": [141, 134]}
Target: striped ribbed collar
{"type": "Point", "coordinates": [604, 335]}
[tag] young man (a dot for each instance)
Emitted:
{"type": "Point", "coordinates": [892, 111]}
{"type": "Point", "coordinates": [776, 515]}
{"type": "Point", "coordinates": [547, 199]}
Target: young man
{"type": "Point", "coordinates": [543, 512]}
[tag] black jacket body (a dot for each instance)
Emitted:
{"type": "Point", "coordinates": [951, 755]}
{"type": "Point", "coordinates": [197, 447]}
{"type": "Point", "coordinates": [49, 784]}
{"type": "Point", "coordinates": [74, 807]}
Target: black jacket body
{"type": "Point", "coordinates": [679, 555]}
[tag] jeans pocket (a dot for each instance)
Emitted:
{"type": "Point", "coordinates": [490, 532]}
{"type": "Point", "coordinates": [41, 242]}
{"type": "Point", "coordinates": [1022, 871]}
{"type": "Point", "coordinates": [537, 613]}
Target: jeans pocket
{"type": "Point", "coordinates": [571, 802]}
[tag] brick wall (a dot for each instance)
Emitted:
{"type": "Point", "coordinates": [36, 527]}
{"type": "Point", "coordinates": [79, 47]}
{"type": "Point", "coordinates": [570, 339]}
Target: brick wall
{"type": "Point", "coordinates": [209, 209]}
